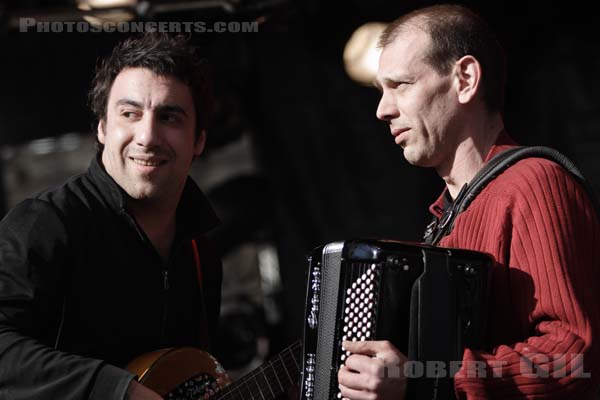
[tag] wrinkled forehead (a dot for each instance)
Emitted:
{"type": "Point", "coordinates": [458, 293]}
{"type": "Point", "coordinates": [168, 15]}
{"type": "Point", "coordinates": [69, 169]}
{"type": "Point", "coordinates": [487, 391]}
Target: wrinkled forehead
{"type": "Point", "coordinates": [409, 40]}
{"type": "Point", "coordinates": [407, 51]}
{"type": "Point", "coordinates": [148, 87]}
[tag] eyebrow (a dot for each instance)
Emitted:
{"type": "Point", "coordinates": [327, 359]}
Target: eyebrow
{"type": "Point", "coordinates": [391, 80]}
{"type": "Point", "coordinates": [129, 102]}
{"type": "Point", "coordinates": [171, 108]}
{"type": "Point", "coordinates": [161, 108]}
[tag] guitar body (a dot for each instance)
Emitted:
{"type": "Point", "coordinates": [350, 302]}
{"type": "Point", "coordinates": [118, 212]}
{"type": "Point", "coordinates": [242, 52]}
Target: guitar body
{"type": "Point", "coordinates": [188, 373]}
{"type": "Point", "coordinates": [183, 373]}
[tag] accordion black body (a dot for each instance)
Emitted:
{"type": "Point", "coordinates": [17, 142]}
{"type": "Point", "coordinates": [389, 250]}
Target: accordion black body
{"type": "Point", "coordinates": [428, 301]}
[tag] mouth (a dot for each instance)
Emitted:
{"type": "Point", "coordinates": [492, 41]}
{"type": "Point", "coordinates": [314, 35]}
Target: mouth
{"type": "Point", "coordinates": [399, 134]}
{"type": "Point", "coordinates": [148, 162]}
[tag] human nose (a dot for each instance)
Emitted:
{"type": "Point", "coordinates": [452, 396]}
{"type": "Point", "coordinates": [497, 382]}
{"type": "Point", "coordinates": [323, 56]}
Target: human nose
{"type": "Point", "coordinates": [147, 131]}
{"type": "Point", "coordinates": [387, 108]}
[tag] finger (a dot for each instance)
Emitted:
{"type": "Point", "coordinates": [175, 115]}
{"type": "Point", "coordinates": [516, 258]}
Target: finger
{"type": "Point", "coordinates": [353, 379]}
{"type": "Point", "coordinates": [365, 364]}
{"type": "Point", "coordinates": [382, 349]}
{"type": "Point", "coordinates": [366, 347]}
{"type": "Point", "coordinates": [353, 394]}
{"type": "Point", "coordinates": [369, 347]}
{"type": "Point", "coordinates": [355, 361]}
{"type": "Point", "coordinates": [361, 380]}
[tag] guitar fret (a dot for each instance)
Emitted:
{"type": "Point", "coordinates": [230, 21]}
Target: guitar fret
{"type": "Point", "coordinates": [295, 362]}
{"type": "Point", "coordinates": [238, 386]}
{"type": "Point", "coordinates": [250, 391]}
{"type": "Point", "coordinates": [247, 387]}
{"type": "Point", "coordinates": [229, 392]}
{"type": "Point", "coordinates": [267, 381]}
{"type": "Point", "coordinates": [259, 389]}
{"type": "Point", "coordinates": [242, 389]}
{"type": "Point", "coordinates": [290, 362]}
{"type": "Point", "coordinates": [277, 377]}
{"type": "Point", "coordinates": [285, 368]}
{"type": "Point", "coordinates": [241, 394]}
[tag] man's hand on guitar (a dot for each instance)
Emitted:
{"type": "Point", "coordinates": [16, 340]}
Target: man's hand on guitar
{"type": "Point", "coordinates": [374, 371]}
{"type": "Point", "coordinates": [136, 391]}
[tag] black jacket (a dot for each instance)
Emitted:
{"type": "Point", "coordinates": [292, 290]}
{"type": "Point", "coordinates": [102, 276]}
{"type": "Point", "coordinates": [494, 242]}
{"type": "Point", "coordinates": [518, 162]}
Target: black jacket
{"type": "Point", "coordinates": [83, 291]}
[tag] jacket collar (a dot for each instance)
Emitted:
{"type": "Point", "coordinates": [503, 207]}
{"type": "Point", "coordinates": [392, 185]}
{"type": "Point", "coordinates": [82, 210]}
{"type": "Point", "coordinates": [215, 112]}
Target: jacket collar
{"type": "Point", "coordinates": [503, 142]}
{"type": "Point", "coordinates": [195, 215]}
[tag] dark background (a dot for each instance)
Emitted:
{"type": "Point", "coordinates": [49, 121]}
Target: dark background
{"type": "Point", "coordinates": [330, 169]}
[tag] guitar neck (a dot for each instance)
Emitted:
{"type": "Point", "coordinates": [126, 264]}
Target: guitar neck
{"type": "Point", "coordinates": [270, 380]}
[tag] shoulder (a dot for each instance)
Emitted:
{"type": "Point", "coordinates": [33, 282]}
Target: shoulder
{"type": "Point", "coordinates": [31, 211]}
{"type": "Point", "coordinates": [76, 195]}
{"type": "Point", "coordinates": [533, 177]}
{"type": "Point", "coordinates": [58, 209]}
{"type": "Point", "coordinates": [543, 188]}
{"type": "Point", "coordinates": [32, 224]}
{"type": "Point", "coordinates": [536, 168]}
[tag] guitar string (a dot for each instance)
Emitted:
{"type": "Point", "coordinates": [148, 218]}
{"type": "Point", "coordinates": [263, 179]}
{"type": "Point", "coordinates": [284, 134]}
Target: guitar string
{"type": "Point", "coordinates": [288, 355]}
{"type": "Point", "coordinates": [272, 364]}
{"type": "Point", "coordinates": [230, 391]}
{"type": "Point", "coordinates": [285, 369]}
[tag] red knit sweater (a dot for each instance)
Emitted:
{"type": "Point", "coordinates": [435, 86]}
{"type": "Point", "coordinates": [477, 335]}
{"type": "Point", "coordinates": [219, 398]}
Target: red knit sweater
{"type": "Point", "coordinates": [541, 227]}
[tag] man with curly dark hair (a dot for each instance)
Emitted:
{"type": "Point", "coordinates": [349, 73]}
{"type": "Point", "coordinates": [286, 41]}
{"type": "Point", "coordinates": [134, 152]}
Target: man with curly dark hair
{"type": "Point", "coordinates": [114, 262]}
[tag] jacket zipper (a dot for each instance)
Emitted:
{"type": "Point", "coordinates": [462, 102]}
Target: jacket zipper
{"type": "Point", "coordinates": [165, 274]}
{"type": "Point", "coordinates": [164, 297]}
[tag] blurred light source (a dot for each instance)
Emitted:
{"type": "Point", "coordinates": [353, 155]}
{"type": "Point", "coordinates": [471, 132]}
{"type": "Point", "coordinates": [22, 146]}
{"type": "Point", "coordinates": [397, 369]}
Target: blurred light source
{"type": "Point", "coordinates": [361, 54]}
{"type": "Point", "coordinates": [112, 14]}
{"type": "Point", "coordinates": [108, 3]}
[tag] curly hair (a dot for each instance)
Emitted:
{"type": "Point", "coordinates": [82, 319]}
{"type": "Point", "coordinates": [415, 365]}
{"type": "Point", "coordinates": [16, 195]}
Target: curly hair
{"type": "Point", "coordinates": [163, 54]}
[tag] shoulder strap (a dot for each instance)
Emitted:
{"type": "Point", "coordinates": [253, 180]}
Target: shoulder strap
{"type": "Point", "coordinates": [497, 165]}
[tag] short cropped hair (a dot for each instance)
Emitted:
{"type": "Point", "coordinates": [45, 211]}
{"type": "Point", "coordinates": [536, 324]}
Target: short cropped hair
{"type": "Point", "coordinates": [456, 31]}
{"type": "Point", "coordinates": [163, 54]}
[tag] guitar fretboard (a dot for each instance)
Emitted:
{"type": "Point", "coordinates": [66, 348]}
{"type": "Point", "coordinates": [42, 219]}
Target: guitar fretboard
{"type": "Point", "coordinates": [270, 380]}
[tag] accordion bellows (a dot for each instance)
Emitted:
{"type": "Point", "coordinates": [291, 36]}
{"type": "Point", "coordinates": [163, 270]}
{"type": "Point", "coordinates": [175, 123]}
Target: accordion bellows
{"type": "Point", "coordinates": [428, 301]}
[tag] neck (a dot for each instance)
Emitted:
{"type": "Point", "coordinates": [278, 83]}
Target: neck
{"type": "Point", "coordinates": [470, 151]}
{"type": "Point", "coordinates": [158, 223]}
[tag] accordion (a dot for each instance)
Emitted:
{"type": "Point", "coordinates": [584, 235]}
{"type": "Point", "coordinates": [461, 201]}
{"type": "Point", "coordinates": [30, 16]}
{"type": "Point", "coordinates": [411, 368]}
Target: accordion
{"type": "Point", "coordinates": [427, 301]}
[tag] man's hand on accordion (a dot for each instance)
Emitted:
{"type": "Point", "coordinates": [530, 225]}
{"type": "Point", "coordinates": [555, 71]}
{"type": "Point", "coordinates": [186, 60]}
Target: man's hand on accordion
{"type": "Point", "coordinates": [374, 371]}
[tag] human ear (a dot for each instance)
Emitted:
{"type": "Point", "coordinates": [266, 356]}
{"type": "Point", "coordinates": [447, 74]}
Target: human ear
{"type": "Point", "coordinates": [467, 77]}
{"type": "Point", "coordinates": [200, 142]}
{"type": "Point", "coordinates": [101, 134]}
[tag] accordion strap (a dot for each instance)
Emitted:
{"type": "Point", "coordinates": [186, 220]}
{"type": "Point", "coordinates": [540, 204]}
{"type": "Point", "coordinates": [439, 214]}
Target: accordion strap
{"type": "Point", "coordinates": [440, 227]}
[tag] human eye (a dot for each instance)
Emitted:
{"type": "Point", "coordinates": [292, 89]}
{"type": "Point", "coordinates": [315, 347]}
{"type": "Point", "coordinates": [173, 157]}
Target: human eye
{"type": "Point", "coordinates": [170, 118]}
{"type": "Point", "coordinates": [128, 114]}
{"type": "Point", "coordinates": [394, 84]}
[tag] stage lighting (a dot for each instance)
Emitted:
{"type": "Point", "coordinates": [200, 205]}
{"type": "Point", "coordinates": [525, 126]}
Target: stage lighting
{"type": "Point", "coordinates": [361, 54]}
{"type": "Point", "coordinates": [116, 10]}
{"type": "Point", "coordinates": [108, 3]}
